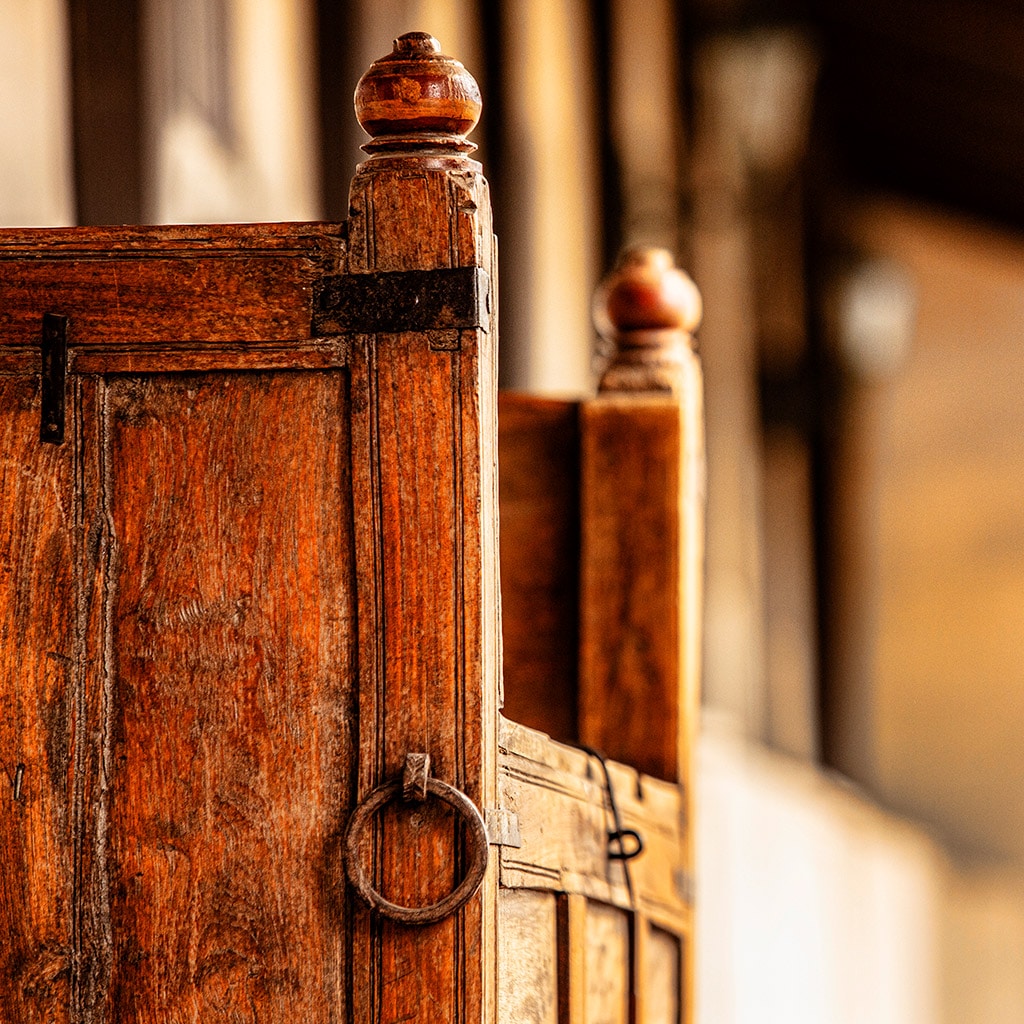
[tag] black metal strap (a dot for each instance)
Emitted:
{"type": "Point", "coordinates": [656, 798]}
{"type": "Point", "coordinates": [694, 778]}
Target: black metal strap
{"type": "Point", "coordinates": [450, 298]}
{"type": "Point", "coordinates": [54, 349]}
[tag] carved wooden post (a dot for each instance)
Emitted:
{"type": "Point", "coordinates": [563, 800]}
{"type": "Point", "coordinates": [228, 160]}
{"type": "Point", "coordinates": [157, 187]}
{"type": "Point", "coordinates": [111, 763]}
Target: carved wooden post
{"type": "Point", "coordinates": [424, 484]}
{"type": "Point", "coordinates": [642, 498]}
{"type": "Point", "coordinates": [642, 464]}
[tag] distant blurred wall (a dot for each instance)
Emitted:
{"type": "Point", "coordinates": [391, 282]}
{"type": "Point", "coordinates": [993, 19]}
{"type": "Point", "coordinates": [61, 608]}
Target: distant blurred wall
{"type": "Point", "coordinates": [35, 130]}
{"type": "Point", "coordinates": [229, 111]}
{"type": "Point", "coordinates": [931, 532]}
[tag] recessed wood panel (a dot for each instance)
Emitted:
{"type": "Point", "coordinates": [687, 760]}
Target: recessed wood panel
{"type": "Point", "coordinates": [539, 460]}
{"type": "Point", "coordinates": [607, 959]}
{"type": "Point", "coordinates": [661, 981]}
{"type": "Point", "coordinates": [37, 708]}
{"type": "Point", "coordinates": [226, 677]}
{"type": "Point", "coordinates": [527, 957]}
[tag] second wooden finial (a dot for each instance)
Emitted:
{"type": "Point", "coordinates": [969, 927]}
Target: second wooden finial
{"type": "Point", "coordinates": [646, 310]}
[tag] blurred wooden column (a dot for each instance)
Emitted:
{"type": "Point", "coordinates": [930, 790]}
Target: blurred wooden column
{"type": "Point", "coordinates": [642, 547]}
{"type": "Point", "coordinates": [548, 209]}
{"type": "Point", "coordinates": [229, 111]}
{"type": "Point", "coordinates": [36, 186]}
{"type": "Point", "coordinates": [760, 634]}
{"type": "Point", "coordinates": [870, 321]}
{"type": "Point", "coordinates": [645, 123]}
{"type": "Point", "coordinates": [107, 115]}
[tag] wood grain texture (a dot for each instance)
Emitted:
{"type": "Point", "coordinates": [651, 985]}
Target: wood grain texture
{"type": "Point", "coordinates": [538, 449]}
{"type": "Point", "coordinates": [642, 575]}
{"type": "Point", "coordinates": [558, 795]}
{"type": "Point", "coordinates": [223, 679]}
{"type": "Point", "coordinates": [426, 542]}
{"type": "Point", "coordinates": [631, 620]}
{"type": "Point", "coordinates": [529, 969]}
{"type": "Point", "coordinates": [37, 677]}
{"type": "Point", "coordinates": [607, 975]}
{"type": "Point", "coordinates": [143, 287]}
{"type": "Point", "coordinates": [642, 588]}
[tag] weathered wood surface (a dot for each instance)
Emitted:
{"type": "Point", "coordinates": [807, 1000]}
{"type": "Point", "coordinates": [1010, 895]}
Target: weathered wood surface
{"type": "Point", "coordinates": [642, 467]}
{"type": "Point", "coordinates": [538, 449]}
{"type": "Point", "coordinates": [232, 601]}
{"type": "Point", "coordinates": [38, 716]}
{"type": "Point", "coordinates": [622, 955]}
{"type": "Point", "coordinates": [558, 794]}
{"type": "Point", "coordinates": [617, 958]}
{"type": "Point", "coordinates": [226, 664]}
{"type": "Point", "coordinates": [177, 669]}
{"type": "Point", "coordinates": [425, 486]}
{"type": "Point", "coordinates": [642, 559]}
{"type": "Point", "coordinates": [142, 292]}
{"type": "Point", "coordinates": [529, 968]}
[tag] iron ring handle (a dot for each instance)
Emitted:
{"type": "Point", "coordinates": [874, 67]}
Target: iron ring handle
{"type": "Point", "coordinates": [461, 894]}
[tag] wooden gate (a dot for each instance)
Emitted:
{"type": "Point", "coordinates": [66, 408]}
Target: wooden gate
{"type": "Point", "coordinates": [248, 576]}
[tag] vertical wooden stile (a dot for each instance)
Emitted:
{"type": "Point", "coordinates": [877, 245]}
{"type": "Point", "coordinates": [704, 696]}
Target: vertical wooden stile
{"type": "Point", "coordinates": [424, 482]}
{"type": "Point", "coordinates": [642, 505]}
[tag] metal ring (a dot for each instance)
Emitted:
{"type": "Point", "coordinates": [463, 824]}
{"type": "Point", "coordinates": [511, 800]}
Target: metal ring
{"type": "Point", "coordinates": [461, 894]}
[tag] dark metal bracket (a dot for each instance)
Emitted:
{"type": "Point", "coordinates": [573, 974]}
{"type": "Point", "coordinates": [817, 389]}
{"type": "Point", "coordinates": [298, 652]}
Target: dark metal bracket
{"type": "Point", "coordinates": [54, 349]}
{"type": "Point", "coordinates": [448, 299]}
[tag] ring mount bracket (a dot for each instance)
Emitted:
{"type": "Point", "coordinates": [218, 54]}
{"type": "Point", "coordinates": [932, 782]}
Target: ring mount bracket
{"type": "Point", "coordinates": [416, 786]}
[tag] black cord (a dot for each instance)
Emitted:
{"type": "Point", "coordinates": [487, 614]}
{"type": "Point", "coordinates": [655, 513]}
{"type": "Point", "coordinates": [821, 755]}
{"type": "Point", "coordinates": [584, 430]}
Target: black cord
{"type": "Point", "coordinates": [619, 834]}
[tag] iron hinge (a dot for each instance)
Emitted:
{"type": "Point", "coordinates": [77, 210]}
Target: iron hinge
{"type": "Point", "coordinates": [503, 827]}
{"type": "Point", "coordinates": [450, 298]}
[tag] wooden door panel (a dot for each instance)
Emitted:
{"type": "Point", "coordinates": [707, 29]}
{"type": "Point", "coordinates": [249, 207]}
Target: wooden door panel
{"type": "Point", "coordinates": [528, 948]}
{"type": "Point", "coordinates": [660, 958]}
{"type": "Point", "coordinates": [606, 969]}
{"type": "Point", "coordinates": [193, 707]}
{"type": "Point", "coordinates": [225, 690]}
{"type": "Point", "coordinates": [38, 654]}
{"type": "Point", "coordinates": [618, 945]}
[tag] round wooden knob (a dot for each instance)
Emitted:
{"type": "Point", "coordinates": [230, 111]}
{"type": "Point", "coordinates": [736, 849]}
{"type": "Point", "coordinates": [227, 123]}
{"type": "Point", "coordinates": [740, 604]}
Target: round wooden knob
{"type": "Point", "coordinates": [417, 97]}
{"type": "Point", "coordinates": [647, 291]}
{"type": "Point", "coordinates": [645, 312]}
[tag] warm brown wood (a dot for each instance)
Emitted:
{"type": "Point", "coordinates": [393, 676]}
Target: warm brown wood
{"type": "Point", "coordinates": [261, 569]}
{"type": "Point", "coordinates": [642, 534]}
{"type": "Point", "coordinates": [426, 545]}
{"type": "Point", "coordinates": [642, 528]}
{"type": "Point", "coordinates": [136, 291]}
{"type": "Point", "coordinates": [38, 653]}
{"type": "Point", "coordinates": [416, 96]}
{"type": "Point", "coordinates": [647, 310]}
{"type": "Point", "coordinates": [538, 448]}
{"type": "Point", "coordinates": [226, 661]}
{"type": "Point", "coordinates": [108, 100]}
{"type": "Point", "coordinates": [267, 565]}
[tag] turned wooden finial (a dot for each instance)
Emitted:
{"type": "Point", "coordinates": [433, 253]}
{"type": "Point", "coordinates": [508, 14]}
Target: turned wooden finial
{"type": "Point", "coordinates": [417, 98]}
{"type": "Point", "coordinates": [646, 310]}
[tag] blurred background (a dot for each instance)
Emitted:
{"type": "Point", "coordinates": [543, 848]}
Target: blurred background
{"type": "Point", "coordinates": [844, 179]}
